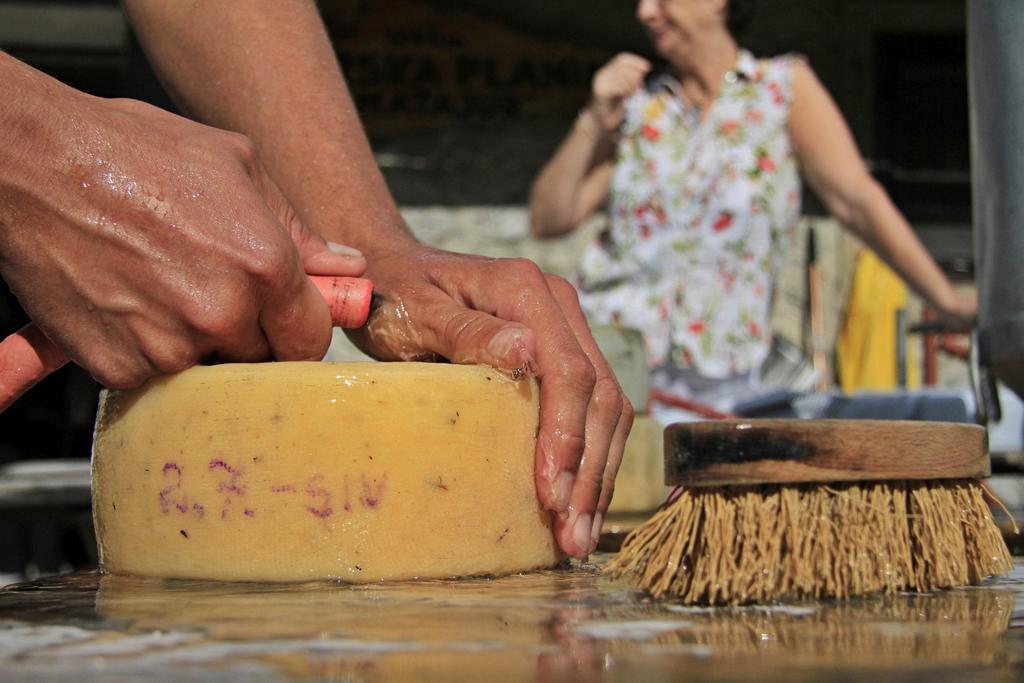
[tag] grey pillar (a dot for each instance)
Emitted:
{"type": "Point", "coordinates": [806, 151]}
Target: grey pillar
{"type": "Point", "coordinates": [995, 56]}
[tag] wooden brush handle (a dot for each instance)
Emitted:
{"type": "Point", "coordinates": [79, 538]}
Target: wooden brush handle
{"type": "Point", "coordinates": [28, 356]}
{"type": "Point", "coordinates": [792, 451]}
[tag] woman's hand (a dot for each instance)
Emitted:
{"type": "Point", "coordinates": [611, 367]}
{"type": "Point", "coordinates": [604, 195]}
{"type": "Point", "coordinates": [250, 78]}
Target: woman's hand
{"type": "Point", "coordinates": [575, 181]}
{"type": "Point", "coordinates": [612, 84]}
{"type": "Point", "coordinates": [961, 311]}
{"type": "Point", "coordinates": [507, 314]}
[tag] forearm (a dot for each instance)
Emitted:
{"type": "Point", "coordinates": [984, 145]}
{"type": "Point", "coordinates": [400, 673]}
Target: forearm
{"type": "Point", "coordinates": [883, 228]}
{"type": "Point", "coordinates": [835, 170]}
{"type": "Point", "coordinates": [558, 201]}
{"type": "Point", "coordinates": [270, 72]}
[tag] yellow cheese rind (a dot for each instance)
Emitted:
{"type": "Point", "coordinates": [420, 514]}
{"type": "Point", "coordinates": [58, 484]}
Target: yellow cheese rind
{"type": "Point", "coordinates": [640, 482]}
{"type": "Point", "coordinates": [302, 471]}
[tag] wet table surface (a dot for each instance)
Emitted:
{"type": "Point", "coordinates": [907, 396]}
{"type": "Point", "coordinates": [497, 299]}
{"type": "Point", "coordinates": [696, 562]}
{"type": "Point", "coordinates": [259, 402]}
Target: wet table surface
{"type": "Point", "coordinates": [561, 625]}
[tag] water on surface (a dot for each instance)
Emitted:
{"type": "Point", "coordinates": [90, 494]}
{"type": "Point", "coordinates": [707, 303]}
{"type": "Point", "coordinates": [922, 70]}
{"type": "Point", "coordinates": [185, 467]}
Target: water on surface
{"type": "Point", "coordinates": [560, 625]}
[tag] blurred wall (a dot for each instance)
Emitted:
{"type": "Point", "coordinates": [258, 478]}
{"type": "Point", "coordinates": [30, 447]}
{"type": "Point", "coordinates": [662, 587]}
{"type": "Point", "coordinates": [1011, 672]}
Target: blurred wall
{"type": "Point", "coordinates": [465, 99]}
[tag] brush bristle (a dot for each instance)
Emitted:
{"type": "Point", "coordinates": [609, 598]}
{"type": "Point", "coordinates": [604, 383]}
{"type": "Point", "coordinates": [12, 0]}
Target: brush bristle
{"type": "Point", "coordinates": [741, 544]}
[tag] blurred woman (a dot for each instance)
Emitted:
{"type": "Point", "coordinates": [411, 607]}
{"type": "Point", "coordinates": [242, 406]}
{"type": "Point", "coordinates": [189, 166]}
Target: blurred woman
{"type": "Point", "coordinates": [700, 170]}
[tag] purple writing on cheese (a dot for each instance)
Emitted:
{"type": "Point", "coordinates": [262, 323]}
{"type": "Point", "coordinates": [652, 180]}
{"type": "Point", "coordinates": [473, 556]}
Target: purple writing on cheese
{"type": "Point", "coordinates": [321, 497]}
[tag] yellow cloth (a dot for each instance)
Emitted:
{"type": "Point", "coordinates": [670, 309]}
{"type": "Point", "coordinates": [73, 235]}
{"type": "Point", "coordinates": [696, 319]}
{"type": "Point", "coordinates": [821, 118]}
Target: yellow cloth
{"type": "Point", "coordinates": [866, 348]}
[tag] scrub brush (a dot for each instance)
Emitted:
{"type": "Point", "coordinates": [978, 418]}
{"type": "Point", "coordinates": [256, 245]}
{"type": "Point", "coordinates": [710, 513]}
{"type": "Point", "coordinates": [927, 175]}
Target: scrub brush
{"type": "Point", "coordinates": [800, 509]}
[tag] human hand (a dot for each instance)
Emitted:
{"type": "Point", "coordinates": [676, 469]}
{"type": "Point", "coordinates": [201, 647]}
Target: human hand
{"type": "Point", "coordinates": [960, 312]}
{"type": "Point", "coordinates": [141, 242]}
{"type": "Point", "coordinates": [612, 84]}
{"type": "Point", "coordinates": [507, 314]}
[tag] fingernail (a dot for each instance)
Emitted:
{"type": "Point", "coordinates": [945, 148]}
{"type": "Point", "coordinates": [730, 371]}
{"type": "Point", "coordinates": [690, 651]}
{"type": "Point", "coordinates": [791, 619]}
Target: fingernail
{"type": "Point", "coordinates": [581, 533]}
{"type": "Point", "coordinates": [507, 350]}
{"type": "Point", "coordinates": [343, 249]}
{"type": "Point", "coordinates": [563, 489]}
{"type": "Point", "coordinates": [504, 342]}
{"type": "Point", "coordinates": [595, 532]}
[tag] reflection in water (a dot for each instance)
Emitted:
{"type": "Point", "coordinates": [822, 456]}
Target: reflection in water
{"type": "Point", "coordinates": [943, 627]}
{"type": "Point", "coordinates": [554, 625]}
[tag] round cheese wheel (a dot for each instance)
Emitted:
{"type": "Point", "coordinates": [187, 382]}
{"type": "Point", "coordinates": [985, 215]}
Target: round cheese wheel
{"type": "Point", "coordinates": [299, 471]}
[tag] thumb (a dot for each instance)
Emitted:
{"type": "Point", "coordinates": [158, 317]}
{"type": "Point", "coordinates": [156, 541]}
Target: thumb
{"type": "Point", "coordinates": [472, 337]}
{"type": "Point", "coordinates": [318, 256]}
{"type": "Point", "coordinates": [329, 258]}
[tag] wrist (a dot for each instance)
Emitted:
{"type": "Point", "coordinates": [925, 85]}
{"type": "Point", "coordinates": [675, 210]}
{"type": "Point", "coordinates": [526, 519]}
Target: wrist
{"type": "Point", "coordinates": [37, 116]}
{"type": "Point", "coordinates": [338, 193]}
{"type": "Point", "coordinates": [376, 229]}
{"type": "Point", "coordinates": [590, 123]}
{"type": "Point", "coordinates": [36, 112]}
{"type": "Point", "coordinates": [377, 234]}
{"type": "Point", "coordinates": [951, 305]}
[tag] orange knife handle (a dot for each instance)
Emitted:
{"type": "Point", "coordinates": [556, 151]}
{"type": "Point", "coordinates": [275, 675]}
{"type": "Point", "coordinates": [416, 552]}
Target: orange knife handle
{"type": "Point", "coordinates": [28, 355]}
{"type": "Point", "coordinates": [347, 297]}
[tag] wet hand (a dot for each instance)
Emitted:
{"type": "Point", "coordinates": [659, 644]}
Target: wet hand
{"type": "Point", "coordinates": [142, 243]}
{"type": "Point", "coordinates": [508, 314]}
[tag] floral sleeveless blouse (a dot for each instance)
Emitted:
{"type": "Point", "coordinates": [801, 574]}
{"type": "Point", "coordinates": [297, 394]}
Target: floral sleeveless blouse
{"type": "Point", "coordinates": [701, 216]}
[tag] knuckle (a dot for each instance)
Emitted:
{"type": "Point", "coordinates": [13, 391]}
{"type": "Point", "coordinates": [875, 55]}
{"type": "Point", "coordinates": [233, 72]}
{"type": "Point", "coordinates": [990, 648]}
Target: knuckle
{"type": "Point", "coordinates": [172, 358]}
{"type": "Point", "coordinates": [562, 288]}
{"type": "Point", "coordinates": [461, 326]}
{"type": "Point", "coordinates": [162, 352]}
{"type": "Point", "coordinates": [628, 413]}
{"type": "Point", "coordinates": [523, 269]}
{"type": "Point", "coordinates": [607, 494]}
{"type": "Point", "coordinates": [243, 147]}
{"type": "Point", "coordinates": [572, 443]}
{"type": "Point", "coordinates": [289, 219]}
{"type": "Point", "coordinates": [218, 321]}
{"type": "Point", "coordinates": [608, 478]}
{"type": "Point", "coordinates": [527, 277]}
{"type": "Point", "coordinates": [269, 265]}
{"type": "Point", "coordinates": [114, 375]}
{"type": "Point", "coordinates": [608, 397]}
{"type": "Point", "coordinates": [590, 479]}
{"type": "Point", "coordinates": [578, 371]}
